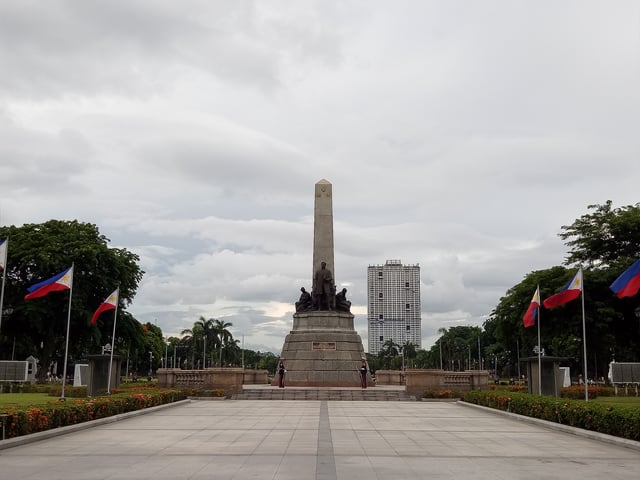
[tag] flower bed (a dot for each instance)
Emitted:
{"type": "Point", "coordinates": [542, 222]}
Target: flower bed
{"type": "Point", "coordinates": [613, 420]}
{"type": "Point", "coordinates": [31, 419]}
{"type": "Point", "coordinates": [441, 394]}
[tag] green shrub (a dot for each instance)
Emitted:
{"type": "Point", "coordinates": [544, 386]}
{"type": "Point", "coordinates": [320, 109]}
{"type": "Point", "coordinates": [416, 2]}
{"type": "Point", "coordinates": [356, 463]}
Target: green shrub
{"type": "Point", "coordinates": [441, 394]}
{"type": "Point", "coordinates": [69, 391]}
{"type": "Point", "coordinates": [576, 392]}
{"type": "Point", "coordinates": [613, 420]}
{"type": "Point", "coordinates": [199, 392]}
{"type": "Point", "coordinates": [25, 420]}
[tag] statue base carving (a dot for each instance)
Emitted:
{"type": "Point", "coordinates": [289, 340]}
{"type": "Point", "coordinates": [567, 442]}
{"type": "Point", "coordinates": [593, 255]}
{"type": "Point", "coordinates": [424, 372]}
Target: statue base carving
{"type": "Point", "coordinates": [322, 350]}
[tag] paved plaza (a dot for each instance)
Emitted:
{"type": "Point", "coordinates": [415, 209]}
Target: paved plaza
{"type": "Point", "coordinates": [298, 440]}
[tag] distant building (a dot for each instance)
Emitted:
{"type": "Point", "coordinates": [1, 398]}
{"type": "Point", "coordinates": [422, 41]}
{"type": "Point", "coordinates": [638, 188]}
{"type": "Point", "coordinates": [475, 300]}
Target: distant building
{"type": "Point", "coordinates": [393, 301]}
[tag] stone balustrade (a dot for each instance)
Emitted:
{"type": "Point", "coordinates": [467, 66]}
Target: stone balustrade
{"type": "Point", "coordinates": [228, 379]}
{"type": "Point", "coordinates": [419, 380]}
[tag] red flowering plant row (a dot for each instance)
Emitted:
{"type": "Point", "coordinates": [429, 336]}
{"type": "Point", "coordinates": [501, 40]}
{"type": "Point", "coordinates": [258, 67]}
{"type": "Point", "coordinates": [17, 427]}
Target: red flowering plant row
{"type": "Point", "coordinates": [441, 394]}
{"type": "Point", "coordinates": [32, 419]}
{"type": "Point", "coordinates": [620, 421]}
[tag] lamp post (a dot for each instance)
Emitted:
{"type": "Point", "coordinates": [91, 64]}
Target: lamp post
{"type": "Point", "coordinates": [204, 352]}
{"type": "Point", "coordinates": [166, 353]}
{"type": "Point", "coordinates": [220, 349]}
{"type": "Point", "coordinates": [150, 366]}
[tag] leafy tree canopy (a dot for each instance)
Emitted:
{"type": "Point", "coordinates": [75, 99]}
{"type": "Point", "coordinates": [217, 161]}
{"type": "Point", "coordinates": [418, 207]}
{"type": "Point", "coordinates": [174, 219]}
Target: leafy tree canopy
{"type": "Point", "coordinates": [37, 252]}
{"type": "Point", "coordinates": [606, 237]}
{"type": "Point", "coordinates": [605, 241]}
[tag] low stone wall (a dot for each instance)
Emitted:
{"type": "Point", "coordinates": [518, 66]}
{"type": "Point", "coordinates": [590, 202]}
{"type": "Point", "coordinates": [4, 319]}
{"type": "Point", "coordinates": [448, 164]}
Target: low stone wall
{"type": "Point", "coordinates": [419, 380]}
{"type": "Point", "coordinates": [228, 379]}
{"type": "Point", "coordinates": [389, 377]}
{"type": "Point", "coordinates": [255, 377]}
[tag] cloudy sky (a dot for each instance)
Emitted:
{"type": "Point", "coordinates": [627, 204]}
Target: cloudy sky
{"type": "Point", "coordinates": [458, 135]}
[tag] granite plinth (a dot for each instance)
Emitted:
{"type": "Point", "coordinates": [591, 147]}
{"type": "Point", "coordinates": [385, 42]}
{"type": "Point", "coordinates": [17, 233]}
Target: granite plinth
{"type": "Point", "coordinates": [323, 349]}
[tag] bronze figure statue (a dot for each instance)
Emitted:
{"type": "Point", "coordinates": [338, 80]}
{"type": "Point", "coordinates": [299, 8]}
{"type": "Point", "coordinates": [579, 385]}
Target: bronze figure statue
{"type": "Point", "coordinates": [323, 290]}
{"type": "Point", "coordinates": [305, 302]}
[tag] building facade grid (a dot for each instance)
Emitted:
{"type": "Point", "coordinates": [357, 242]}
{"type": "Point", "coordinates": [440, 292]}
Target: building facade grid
{"type": "Point", "coordinates": [393, 305]}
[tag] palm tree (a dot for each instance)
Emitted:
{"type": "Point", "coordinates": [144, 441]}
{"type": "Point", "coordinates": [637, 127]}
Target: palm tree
{"type": "Point", "coordinates": [223, 335]}
{"type": "Point", "coordinates": [388, 351]}
{"type": "Point", "coordinates": [232, 351]}
{"type": "Point", "coordinates": [409, 351]}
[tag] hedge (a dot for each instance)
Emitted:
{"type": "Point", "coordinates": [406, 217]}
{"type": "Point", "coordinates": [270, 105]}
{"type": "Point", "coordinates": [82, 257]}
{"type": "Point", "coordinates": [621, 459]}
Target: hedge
{"type": "Point", "coordinates": [31, 419]}
{"type": "Point", "coordinates": [619, 421]}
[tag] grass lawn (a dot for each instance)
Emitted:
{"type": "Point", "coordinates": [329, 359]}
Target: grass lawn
{"type": "Point", "coordinates": [24, 399]}
{"type": "Point", "coordinates": [618, 401]}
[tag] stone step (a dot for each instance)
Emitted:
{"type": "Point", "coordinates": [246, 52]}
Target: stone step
{"type": "Point", "coordinates": [323, 394]}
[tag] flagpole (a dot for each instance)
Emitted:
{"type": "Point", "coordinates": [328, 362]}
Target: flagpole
{"type": "Point", "coordinates": [66, 345]}
{"type": "Point", "coordinates": [113, 337]}
{"type": "Point", "coordinates": [584, 340]}
{"type": "Point", "coordinates": [539, 347]}
{"type": "Point", "coordinates": [4, 277]}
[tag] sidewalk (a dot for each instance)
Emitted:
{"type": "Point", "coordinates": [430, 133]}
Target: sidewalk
{"type": "Point", "coordinates": [326, 440]}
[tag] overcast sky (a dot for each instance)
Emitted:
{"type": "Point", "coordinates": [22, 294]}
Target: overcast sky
{"type": "Point", "coordinates": [458, 135]}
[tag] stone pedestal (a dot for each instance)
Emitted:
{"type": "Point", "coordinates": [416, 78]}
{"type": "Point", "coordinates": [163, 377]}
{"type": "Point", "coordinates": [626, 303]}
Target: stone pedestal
{"type": "Point", "coordinates": [323, 350]}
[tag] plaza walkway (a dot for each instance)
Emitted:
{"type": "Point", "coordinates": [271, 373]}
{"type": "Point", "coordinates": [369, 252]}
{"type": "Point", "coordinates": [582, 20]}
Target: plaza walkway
{"type": "Point", "coordinates": [319, 439]}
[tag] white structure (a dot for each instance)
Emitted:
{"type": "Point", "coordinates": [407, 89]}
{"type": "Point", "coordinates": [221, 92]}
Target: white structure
{"type": "Point", "coordinates": [393, 300]}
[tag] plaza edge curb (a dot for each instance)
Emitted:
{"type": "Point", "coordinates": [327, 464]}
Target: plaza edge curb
{"type": "Point", "coordinates": [580, 432]}
{"type": "Point", "coordinates": [54, 432]}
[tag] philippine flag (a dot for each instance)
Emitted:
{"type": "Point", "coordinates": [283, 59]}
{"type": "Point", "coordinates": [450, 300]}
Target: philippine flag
{"type": "Point", "coordinates": [530, 317]}
{"type": "Point", "coordinates": [109, 304]}
{"type": "Point", "coordinates": [571, 291]}
{"type": "Point", "coordinates": [627, 284]}
{"type": "Point", "coordinates": [3, 253]}
{"type": "Point", "coordinates": [60, 282]}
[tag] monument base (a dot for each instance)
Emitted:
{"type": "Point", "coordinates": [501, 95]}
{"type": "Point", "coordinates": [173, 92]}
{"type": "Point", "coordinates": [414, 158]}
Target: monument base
{"type": "Point", "coordinates": [323, 350]}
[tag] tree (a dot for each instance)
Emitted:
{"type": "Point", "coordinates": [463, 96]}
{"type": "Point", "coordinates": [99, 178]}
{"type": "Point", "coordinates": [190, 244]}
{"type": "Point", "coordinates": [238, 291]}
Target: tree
{"type": "Point", "coordinates": [389, 350]}
{"type": "Point", "coordinates": [223, 335]}
{"type": "Point", "coordinates": [40, 251]}
{"type": "Point", "coordinates": [154, 347]}
{"type": "Point", "coordinates": [409, 351]}
{"type": "Point", "coordinates": [604, 238]}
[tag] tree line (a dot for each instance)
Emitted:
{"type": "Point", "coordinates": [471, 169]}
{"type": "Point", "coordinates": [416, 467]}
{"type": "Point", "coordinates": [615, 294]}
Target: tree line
{"type": "Point", "coordinates": [604, 241]}
{"type": "Point", "coordinates": [37, 327]}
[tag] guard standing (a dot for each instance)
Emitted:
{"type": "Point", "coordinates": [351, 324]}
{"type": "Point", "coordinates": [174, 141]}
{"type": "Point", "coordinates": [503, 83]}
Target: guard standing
{"type": "Point", "coordinates": [281, 372]}
{"type": "Point", "coordinates": [363, 374]}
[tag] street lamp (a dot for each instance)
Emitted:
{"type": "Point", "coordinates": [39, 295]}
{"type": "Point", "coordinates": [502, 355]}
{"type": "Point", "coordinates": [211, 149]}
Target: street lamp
{"type": "Point", "coordinates": [220, 349]}
{"type": "Point", "coordinates": [166, 353]}
{"type": "Point", "coordinates": [204, 352]}
{"type": "Point", "coordinates": [150, 366]}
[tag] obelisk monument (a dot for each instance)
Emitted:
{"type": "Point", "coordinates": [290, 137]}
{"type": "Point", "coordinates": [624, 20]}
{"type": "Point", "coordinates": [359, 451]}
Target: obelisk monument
{"type": "Point", "coordinates": [323, 227]}
{"type": "Point", "coordinates": [323, 348]}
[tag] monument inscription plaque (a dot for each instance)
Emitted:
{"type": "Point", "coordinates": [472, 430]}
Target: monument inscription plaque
{"type": "Point", "coordinates": [323, 345]}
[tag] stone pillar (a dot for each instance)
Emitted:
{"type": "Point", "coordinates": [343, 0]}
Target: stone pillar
{"type": "Point", "coordinates": [323, 227]}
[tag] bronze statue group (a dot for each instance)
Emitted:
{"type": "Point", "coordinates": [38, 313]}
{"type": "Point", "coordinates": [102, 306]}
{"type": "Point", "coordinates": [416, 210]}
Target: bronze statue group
{"type": "Point", "coordinates": [323, 294]}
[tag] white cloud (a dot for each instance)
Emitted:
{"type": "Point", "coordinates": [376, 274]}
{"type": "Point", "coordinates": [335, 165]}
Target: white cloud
{"type": "Point", "coordinates": [459, 136]}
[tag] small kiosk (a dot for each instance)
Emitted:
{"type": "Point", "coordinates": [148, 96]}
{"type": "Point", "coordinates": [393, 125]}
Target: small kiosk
{"type": "Point", "coordinates": [552, 376]}
{"type": "Point", "coordinates": [99, 373]}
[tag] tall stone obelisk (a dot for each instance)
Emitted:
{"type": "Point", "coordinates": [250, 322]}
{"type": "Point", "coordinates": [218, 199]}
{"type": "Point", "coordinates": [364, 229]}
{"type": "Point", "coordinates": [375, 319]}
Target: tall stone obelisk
{"type": "Point", "coordinates": [323, 348]}
{"type": "Point", "coordinates": [323, 227]}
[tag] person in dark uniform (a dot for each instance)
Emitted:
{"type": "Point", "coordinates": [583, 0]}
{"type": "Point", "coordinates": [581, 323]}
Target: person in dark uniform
{"type": "Point", "coordinates": [281, 372]}
{"type": "Point", "coordinates": [363, 374]}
